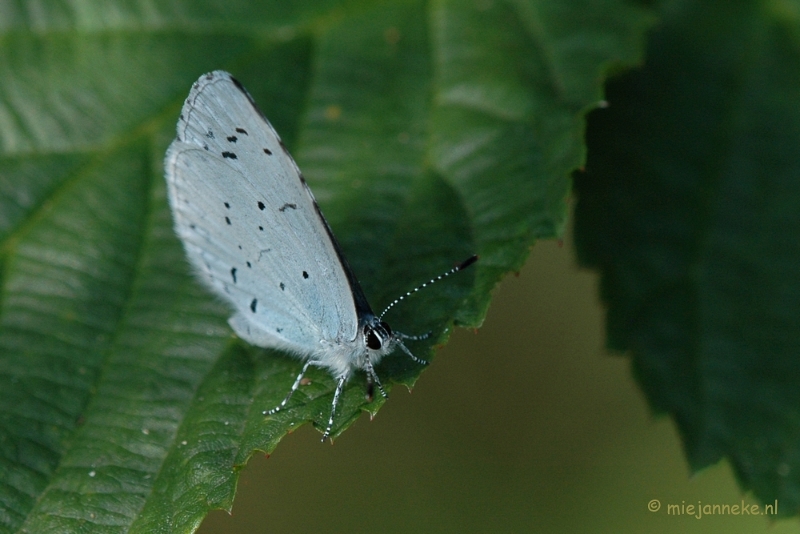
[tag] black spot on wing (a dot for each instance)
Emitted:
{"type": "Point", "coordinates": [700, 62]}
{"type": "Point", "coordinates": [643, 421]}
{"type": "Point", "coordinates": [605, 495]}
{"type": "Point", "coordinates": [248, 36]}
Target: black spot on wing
{"type": "Point", "coordinates": [305, 274]}
{"type": "Point", "coordinates": [261, 205]}
{"type": "Point", "coordinates": [210, 134]}
{"type": "Point", "coordinates": [261, 228]}
{"type": "Point", "coordinates": [282, 286]}
{"type": "Point", "coordinates": [248, 264]}
{"type": "Point", "coordinates": [227, 205]}
{"type": "Point", "coordinates": [253, 304]}
{"type": "Point", "coordinates": [288, 205]}
{"type": "Point", "coordinates": [229, 155]}
{"type": "Point", "coordinates": [268, 152]}
{"type": "Point", "coordinates": [241, 131]}
{"type": "Point", "coordinates": [233, 274]}
{"type": "Point", "coordinates": [228, 220]}
{"type": "Point", "coordinates": [232, 138]}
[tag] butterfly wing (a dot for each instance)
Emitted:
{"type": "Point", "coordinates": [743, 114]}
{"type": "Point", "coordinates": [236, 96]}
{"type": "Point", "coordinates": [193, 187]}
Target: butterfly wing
{"type": "Point", "coordinates": [251, 227]}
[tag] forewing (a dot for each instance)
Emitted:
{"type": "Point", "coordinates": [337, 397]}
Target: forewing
{"type": "Point", "coordinates": [250, 226]}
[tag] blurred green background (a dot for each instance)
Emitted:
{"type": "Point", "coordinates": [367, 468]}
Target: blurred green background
{"type": "Point", "coordinates": [527, 425]}
{"type": "Point", "coordinates": [125, 402]}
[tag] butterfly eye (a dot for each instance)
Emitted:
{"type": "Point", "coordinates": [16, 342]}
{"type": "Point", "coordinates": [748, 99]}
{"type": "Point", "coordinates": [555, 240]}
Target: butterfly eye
{"type": "Point", "coordinates": [372, 339]}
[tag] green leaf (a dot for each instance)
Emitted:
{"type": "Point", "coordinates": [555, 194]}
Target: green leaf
{"type": "Point", "coordinates": [690, 207]}
{"type": "Point", "coordinates": [428, 132]}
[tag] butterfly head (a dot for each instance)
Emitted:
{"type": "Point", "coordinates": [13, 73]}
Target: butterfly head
{"type": "Point", "coordinates": [378, 336]}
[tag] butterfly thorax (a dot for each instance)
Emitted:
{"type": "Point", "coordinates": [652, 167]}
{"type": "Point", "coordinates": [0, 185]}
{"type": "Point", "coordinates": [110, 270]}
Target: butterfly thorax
{"type": "Point", "coordinates": [374, 340]}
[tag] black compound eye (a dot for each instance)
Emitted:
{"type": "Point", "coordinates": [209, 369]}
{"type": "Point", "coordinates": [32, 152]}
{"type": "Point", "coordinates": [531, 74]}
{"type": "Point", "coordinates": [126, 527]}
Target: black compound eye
{"type": "Point", "coordinates": [374, 341]}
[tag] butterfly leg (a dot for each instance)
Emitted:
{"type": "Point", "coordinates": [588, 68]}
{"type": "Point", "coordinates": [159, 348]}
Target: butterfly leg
{"type": "Point", "coordinates": [401, 335]}
{"type": "Point", "coordinates": [336, 395]}
{"type": "Point", "coordinates": [291, 391]}
{"type": "Point", "coordinates": [372, 381]}
{"type": "Point", "coordinates": [405, 349]}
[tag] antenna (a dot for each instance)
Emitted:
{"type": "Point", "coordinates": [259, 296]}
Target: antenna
{"type": "Point", "coordinates": [460, 267]}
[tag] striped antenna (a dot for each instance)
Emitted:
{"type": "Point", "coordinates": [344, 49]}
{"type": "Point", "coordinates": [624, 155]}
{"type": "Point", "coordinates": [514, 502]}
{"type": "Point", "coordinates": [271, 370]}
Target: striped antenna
{"type": "Point", "coordinates": [460, 267]}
